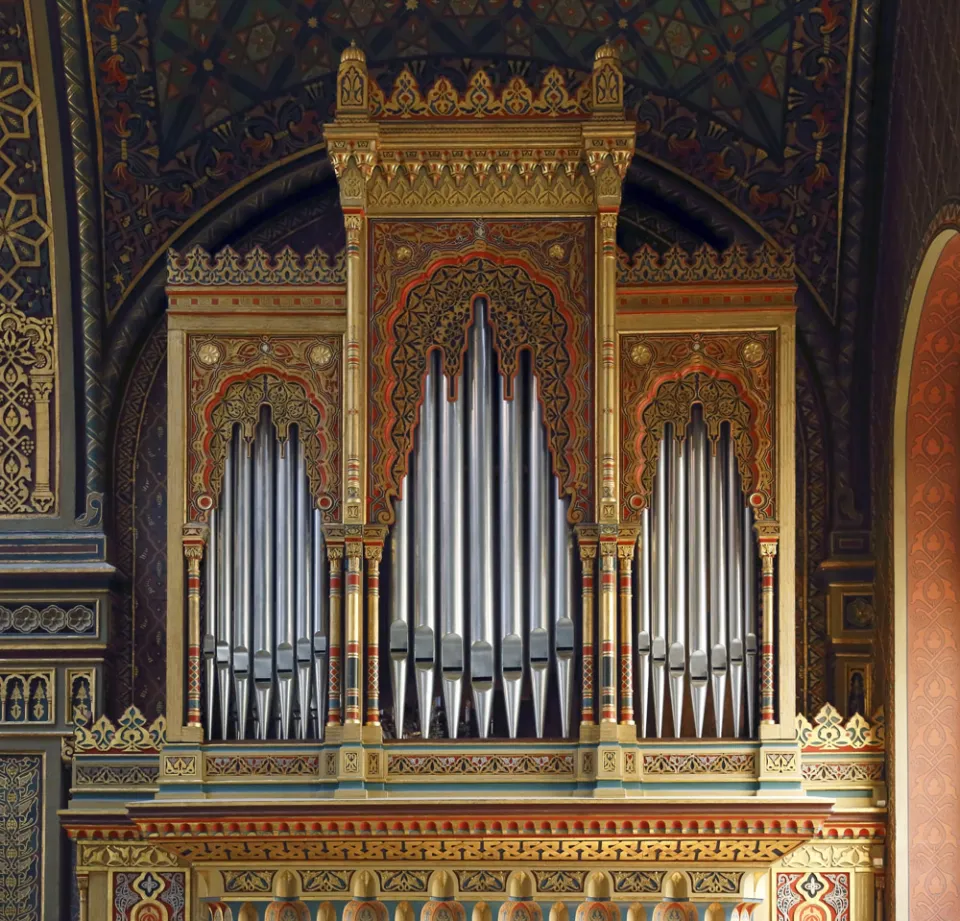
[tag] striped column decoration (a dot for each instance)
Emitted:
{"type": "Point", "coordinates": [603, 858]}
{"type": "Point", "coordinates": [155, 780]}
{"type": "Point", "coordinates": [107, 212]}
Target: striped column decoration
{"type": "Point", "coordinates": [768, 551]}
{"type": "Point", "coordinates": [353, 607]}
{"type": "Point", "coordinates": [625, 552]}
{"type": "Point", "coordinates": [373, 551]}
{"type": "Point", "coordinates": [335, 556]}
{"type": "Point", "coordinates": [588, 555]}
{"type": "Point", "coordinates": [608, 630]}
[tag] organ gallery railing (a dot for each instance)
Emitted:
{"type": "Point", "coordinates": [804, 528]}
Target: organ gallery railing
{"type": "Point", "coordinates": [579, 466]}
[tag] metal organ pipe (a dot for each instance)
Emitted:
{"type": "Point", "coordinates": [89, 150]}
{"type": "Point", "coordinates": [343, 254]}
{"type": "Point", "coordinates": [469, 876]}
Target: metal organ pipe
{"type": "Point", "coordinates": [318, 620]}
{"type": "Point", "coordinates": [718, 586]}
{"type": "Point", "coordinates": [400, 603]}
{"type": "Point", "coordinates": [303, 644]}
{"type": "Point", "coordinates": [643, 596]}
{"type": "Point", "coordinates": [660, 587]}
{"type": "Point", "coordinates": [750, 617]}
{"type": "Point", "coordinates": [538, 559]}
{"type": "Point", "coordinates": [425, 548]}
{"type": "Point", "coordinates": [511, 536]}
{"type": "Point", "coordinates": [226, 611]}
{"type": "Point", "coordinates": [734, 561]}
{"type": "Point", "coordinates": [285, 594]}
{"type": "Point", "coordinates": [480, 497]}
{"type": "Point", "coordinates": [242, 585]}
{"type": "Point", "coordinates": [677, 621]}
{"type": "Point", "coordinates": [451, 555]}
{"type": "Point", "coordinates": [697, 526]}
{"type": "Point", "coordinates": [212, 571]}
{"type": "Point", "coordinates": [263, 573]}
{"type": "Point", "coordinates": [561, 541]}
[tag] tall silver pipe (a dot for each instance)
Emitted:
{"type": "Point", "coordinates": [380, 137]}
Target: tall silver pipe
{"type": "Point", "coordinates": [511, 531]}
{"type": "Point", "coordinates": [677, 621]}
{"type": "Point", "coordinates": [480, 498]}
{"type": "Point", "coordinates": [660, 556]}
{"type": "Point", "coordinates": [303, 558]}
{"type": "Point", "coordinates": [226, 610]}
{"type": "Point", "coordinates": [400, 603]}
{"type": "Point", "coordinates": [212, 571]}
{"type": "Point", "coordinates": [643, 602]}
{"type": "Point", "coordinates": [242, 585]}
{"type": "Point", "coordinates": [734, 582]}
{"type": "Point", "coordinates": [538, 557]}
{"type": "Point", "coordinates": [564, 645]}
{"type": "Point", "coordinates": [718, 584]}
{"type": "Point", "coordinates": [425, 549]}
{"type": "Point", "coordinates": [319, 601]}
{"type": "Point", "coordinates": [750, 617]}
{"type": "Point", "coordinates": [697, 523]}
{"type": "Point", "coordinates": [263, 573]}
{"type": "Point", "coordinates": [451, 555]}
{"type": "Point", "coordinates": [285, 575]}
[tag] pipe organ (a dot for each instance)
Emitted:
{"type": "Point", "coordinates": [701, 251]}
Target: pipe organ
{"type": "Point", "coordinates": [481, 550]}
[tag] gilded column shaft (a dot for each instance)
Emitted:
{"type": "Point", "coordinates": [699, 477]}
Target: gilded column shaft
{"type": "Point", "coordinates": [335, 556]}
{"type": "Point", "coordinates": [607, 389]}
{"type": "Point", "coordinates": [608, 630]}
{"type": "Point", "coordinates": [193, 542]}
{"type": "Point", "coordinates": [373, 553]}
{"type": "Point", "coordinates": [354, 421]}
{"type": "Point", "coordinates": [353, 610]}
{"type": "Point", "coordinates": [625, 553]}
{"type": "Point", "coordinates": [768, 551]}
{"type": "Point", "coordinates": [588, 554]}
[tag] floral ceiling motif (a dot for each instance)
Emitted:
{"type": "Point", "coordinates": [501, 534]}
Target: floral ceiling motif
{"type": "Point", "coordinates": [746, 97]}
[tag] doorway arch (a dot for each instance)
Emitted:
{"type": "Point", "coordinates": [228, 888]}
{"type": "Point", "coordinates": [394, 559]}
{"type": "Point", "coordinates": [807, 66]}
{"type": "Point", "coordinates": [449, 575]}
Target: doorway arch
{"type": "Point", "coordinates": [926, 685]}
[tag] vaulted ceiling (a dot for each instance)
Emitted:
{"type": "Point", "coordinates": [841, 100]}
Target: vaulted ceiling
{"type": "Point", "coordinates": [752, 123]}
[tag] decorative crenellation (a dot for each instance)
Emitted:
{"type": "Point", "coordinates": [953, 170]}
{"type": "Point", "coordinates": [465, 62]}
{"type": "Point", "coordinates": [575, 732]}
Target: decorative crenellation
{"type": "Point", "coordinates": [197, 268]}
{"type": "Point", "coordinates": [130, 735]}
{"type": "Point", "coordinates": [554, 98]}
{"type": "Point", "coordinates": [829, 733]}
{"type": "Point", "coordinates": [27, 420]}
{"type": "Point", "coordinates": [678, 267]}
{"type": "Point", "coordinates": [57, 618]}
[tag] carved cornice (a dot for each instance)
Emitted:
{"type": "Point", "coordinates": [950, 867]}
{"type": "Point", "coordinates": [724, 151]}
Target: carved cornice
{"type": "Point", "coordinates": [227, 268]}
{"type": "Point", "coordinates": [676, 266]}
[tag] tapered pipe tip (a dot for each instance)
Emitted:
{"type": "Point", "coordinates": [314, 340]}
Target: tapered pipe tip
{"type": "Point", "coordinates": [719, 684]}
{"type": "Point", "coordinates": [398, 671]}
{"type": "Point", "coordinates": [483, 704]}
{"type": "Point", "coordinates": [538, 683]}
{"type": "Point", "coordinates": [223, 682]}
{"type": "Point", "coordinates": [511, 696]}
{"type": "Point", "coordinates": [452, 696]}
{"type": "Point", "coordinates": [264, 700]}
{"type": "Point", "coordinates": [303, 700]}
{"type": "Point", "coordinates": [676, 703]}
{"type": "Point", "coordinates": [736, 695]}
{"type": "Point", "coordinates": [565, 680]}
{"type": "Point", "coordinates": [425, 699]}
{"type": "Point", "coordinates": [698, 695]}
{"type": "Point", "coordinates": [644, 693]}
{"type": "Point", "coordinates": [243, 704]}
{"type": "Point", "coordinates": [659, 682]}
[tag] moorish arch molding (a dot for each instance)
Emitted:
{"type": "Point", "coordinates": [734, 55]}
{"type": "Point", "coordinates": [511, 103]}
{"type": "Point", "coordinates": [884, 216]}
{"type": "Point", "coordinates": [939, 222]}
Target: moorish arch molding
{"type": "Point", "coordinates": [526, 314]}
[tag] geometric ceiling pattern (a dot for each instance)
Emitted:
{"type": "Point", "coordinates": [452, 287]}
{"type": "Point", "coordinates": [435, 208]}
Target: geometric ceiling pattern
{"type": "Point", "coordinates": [725, 57]}
{"type": "Point", "coordinates": [744, 98]}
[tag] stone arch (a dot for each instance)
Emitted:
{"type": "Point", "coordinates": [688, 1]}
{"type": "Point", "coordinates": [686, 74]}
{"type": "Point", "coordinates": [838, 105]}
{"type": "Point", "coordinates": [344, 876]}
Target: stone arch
{"type": "Point", "coordinates": [926, 624]}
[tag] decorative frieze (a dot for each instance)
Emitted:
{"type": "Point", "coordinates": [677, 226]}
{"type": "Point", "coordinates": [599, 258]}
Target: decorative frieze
{"type": "Point", "coordinates": [37, 621]}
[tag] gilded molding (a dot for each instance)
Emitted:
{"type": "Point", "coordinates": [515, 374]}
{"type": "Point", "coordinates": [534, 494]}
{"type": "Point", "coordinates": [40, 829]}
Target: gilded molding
{"type": "Point", "coordinates": [472, 881]}
{"type": "Point", "coordinates": [831, 773]}
{"type": "Point", "coordinates": [326, 880]}
{"type": "Point", "coordinates": [715, 882]}
{"type": "Point", "coordinates": [821, 855]}
{"type": "Point", "coordinates": [262, 765]}
{"type": "Point", "coordinates": [135, 776]}
{"type": "Point", "coordinates": [676, 266]}
{"type": "Point", "coordinates": [735, 763]}
{"type": "Point", "coordinates": [119, 855]}
{"type": "Point", "coordinates": [227, 268]}
{"type": "Point", "coordinates": [554, 764]}
{"type": "Point", "coordinates": [638, 881]}
{"type": "Point", "coordinates": [559, 881]}
{"type": "Point", "coordinates": [248, 880]}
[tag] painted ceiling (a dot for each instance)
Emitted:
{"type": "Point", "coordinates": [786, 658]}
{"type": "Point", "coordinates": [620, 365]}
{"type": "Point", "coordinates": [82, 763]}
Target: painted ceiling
{"type": "Point", "coordinates": [745, 99]}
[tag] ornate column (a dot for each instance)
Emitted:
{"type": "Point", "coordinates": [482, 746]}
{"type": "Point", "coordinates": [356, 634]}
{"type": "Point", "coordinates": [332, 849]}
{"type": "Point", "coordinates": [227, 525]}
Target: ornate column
{"type": "Point", "coordinates": [626, 548]}
{"type": "Point", "coordinates": [194, 538]}
{"type": "Point", "coordinates": [768, 552]}
{"type": "Point", "coordinates": [608, 624]}
{"type": "Point", "coordinates": [587, 538]}
{"type": "Point", "coordinates": [334, 543]}
{"type": "Point", "coordinates": [353, 610]}
{"type": "Point", "coordinates": [41, 386]}
{"type": "Point", "coordinates": [374, 538]}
